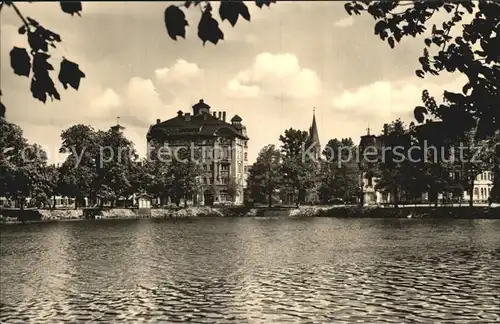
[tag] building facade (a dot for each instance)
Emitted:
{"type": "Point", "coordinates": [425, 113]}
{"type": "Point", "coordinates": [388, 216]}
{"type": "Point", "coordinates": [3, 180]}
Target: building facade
{"type": "Point", "coordinates": [222, 148]}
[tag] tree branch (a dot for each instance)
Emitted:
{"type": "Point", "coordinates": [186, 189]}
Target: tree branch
{"type": "Point", "coordinates": [25, 22]}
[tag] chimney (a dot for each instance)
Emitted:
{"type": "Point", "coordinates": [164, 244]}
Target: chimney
{"type": "Point", "coordinates": [188, 116]}
{"type": "Point", "coordinates": [158, 120]}
{"type": "Point", "coordinates": [180, 113]}
{"type": "Point", "coordinates": [219, 115]}
{"type": "Point", "coordinates": [224, 116]}
{"type": "Point", "coordinates": [214, 114]}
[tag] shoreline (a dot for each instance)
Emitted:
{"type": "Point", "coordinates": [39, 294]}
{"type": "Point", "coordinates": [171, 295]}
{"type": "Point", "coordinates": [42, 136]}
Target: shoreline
{"type": "Point", "coordinates": [10, 216]}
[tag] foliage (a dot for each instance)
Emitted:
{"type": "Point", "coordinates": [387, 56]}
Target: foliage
{"type": "Point", "coordinates": [115, 165]}
{"type": "Point", "coordinates": [475, 53]}
{"type": "Point", "coordinates": [394, 163]}
{"type": "Point", "coordinates": [339, 171]}
{"type": "Point", "coordinates": [265, 175]}
{"type": "Point", "coordinates": [33, 62]}
{"type": "Point", "coordinates": [184, 172]}
{"type": "Point", "coordinates": [78, 171]}
{"type": "Point", "coordinates": [23, 168]}
{"type": "Point", "coordinates": [208, 26]}
{"type": "Point", "coordinates": [99, 164]}
{"type": "Point", "coordinates": [299, 168]}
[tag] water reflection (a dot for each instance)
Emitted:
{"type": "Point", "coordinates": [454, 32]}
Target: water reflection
{"type": "Point", "coordinates": [251, 271]}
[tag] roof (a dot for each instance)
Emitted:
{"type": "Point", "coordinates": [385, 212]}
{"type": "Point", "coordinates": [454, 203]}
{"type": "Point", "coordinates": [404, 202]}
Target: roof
{"type": "Point", "coordinates": [203, 125]}
{"type": "Point", "coordinates": [313, 133]}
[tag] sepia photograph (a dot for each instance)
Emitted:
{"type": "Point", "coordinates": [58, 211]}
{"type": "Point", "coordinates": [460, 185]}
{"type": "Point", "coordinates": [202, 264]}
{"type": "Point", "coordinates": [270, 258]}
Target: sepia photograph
{"type": "Point", "coordinates": [250, 161]}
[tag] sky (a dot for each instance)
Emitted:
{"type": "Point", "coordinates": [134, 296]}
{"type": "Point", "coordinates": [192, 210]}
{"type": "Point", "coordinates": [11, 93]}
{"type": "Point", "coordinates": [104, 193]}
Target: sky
{"type": "Point", "coordinates": [292, 57]}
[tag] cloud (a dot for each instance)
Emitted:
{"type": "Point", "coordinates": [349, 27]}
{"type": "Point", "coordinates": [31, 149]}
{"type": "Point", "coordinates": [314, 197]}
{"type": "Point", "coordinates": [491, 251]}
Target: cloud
{"type": "Point", "coordinates": [181, 72]}
{"type": "Point", "coordinates": [345, 22]}
{"type": "Point", "coordinates": [108, 99]}
{"type": "Point", "coordinates": [275, 75]}
{"type": "Point", "coordinates": [386, 101]}
{"type": "Point", "coordinates": [141, 96]}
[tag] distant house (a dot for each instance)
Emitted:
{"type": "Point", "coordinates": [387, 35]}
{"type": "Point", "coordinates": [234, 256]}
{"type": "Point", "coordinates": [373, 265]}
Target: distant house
{"type": "Point", "coordinates": [143, 201]}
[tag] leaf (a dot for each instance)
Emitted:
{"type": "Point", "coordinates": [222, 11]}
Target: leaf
{"type": "Point", "coordinates": [348, 8]}
{"type": "Point", "coordinates": [391, 42]}
{"type": "Point", "coordinates": [419, 73]}
{"type": "Point", "coordinates": [36, 41]}
{"type": "Point", "coordinates": [175, 22]}
{"type": "Point", "coordinates": [71, 7]}
{"type": "Point", "coordinates": [208, 29]}
{"type": "Point", "coordinates": [40, 64]}
{"type": "Point", "coordinates": [420, 113]}
{"type": "Point", "coordinates": [22, 30]}
{"type": "Point", "coordinates": [428, 42]}
{"type": "Point", "coordinates": [70, 74]}
{"type": "Point", "coordinates": [261, 3]}
{"type": "Point", "coordinates": [380, 26]}
{"type": "Point", "coordinates": [231, 10]}
{"type": "Point", "coordinates": [41, 86]}
{"type": "Point", "coordinates": [20, 61]}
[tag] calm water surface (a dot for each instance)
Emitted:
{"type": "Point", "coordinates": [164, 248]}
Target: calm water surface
{"type": "Point", "coordinates": [251, 271]}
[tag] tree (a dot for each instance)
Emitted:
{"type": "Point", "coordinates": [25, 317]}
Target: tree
{"type": "Point", "coordinates": [78, 173]}
{"type": "Point", "coordinates": [26, 178]}
{"type": "Point", "coordinates": [45, 186]}
{"type": "Point", "coordinates": [23, 170]}
{"type": "Point", "coordinates": [12, 142]}
{"type": "Point", "coordinates": [475, 53]}
{"type": "Point", "coordinates": [299, 168]}
{"type": "Point", "coordinates": [184, 172]}
{"type": "Point", "coordinates": [265, 175]}
{"type": "Point", "coordinates": [340, 172]}
{"type": "Point", "coordinates": [115, 166]}
{"type": "Point", "coordinates": [394, 163]}
{"type": "Point", "coordinates": [34, 61]}
{"type": "Point", "coordinates": [156, 177]}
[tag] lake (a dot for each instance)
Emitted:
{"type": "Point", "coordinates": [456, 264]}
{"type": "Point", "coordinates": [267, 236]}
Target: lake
{"type": "Point", "coordinates": [251, 270]}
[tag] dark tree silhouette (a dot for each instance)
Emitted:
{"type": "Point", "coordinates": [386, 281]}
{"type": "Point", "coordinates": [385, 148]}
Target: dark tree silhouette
{"type": "Point", "coordinates": [33, 62]}
{"type": "Point", "coordinates": [475, 53]}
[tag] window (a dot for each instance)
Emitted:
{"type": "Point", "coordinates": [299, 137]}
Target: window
{"type": "Point", "coordinates": [476, 192]}
{"type": "Point", "coordinates": [225, 167]}
{"type": "Point", "coordinates": [223, 181]}
{"type": "Point", "coordinates": [370, 181]}
{"type": "Point", "coordinates": [246, 156]}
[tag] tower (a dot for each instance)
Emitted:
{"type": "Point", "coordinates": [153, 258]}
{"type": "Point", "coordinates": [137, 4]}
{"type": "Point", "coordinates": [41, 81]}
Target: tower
{"type": "Point", "coordinates": [117, 128]}
{"type": "Point", "coordinates": [314, 137]}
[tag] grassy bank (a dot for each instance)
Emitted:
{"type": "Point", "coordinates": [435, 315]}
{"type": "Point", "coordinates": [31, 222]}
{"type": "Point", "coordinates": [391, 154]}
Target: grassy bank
{"type": "Point", "coordinates": [16, 216]}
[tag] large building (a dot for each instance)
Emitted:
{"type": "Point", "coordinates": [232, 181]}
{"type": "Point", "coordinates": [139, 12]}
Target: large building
{"type": "Point", "coordinates": [222, 146]}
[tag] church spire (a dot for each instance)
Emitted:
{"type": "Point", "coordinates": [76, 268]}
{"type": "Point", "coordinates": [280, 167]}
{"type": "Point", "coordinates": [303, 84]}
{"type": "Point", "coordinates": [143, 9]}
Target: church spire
{"type": "Point", "coordinates": [314, 129]}
{"type": "Point", "coordinates": [314, 135]}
